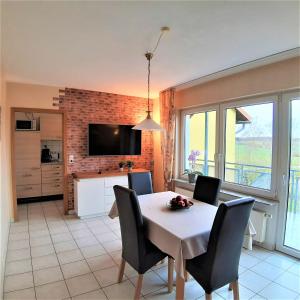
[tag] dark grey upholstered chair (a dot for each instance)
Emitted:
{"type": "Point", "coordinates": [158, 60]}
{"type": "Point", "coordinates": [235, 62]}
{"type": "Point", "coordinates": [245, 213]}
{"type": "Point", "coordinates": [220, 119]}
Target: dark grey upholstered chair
{"type": "Point", "coordinates": [140, 182]}
{"type": "Point", "coordinates": [219, 265]}
{"type": "Point", "coordinates": [207, 189]}
{"type": "Point", "coordinates": [137, 250]}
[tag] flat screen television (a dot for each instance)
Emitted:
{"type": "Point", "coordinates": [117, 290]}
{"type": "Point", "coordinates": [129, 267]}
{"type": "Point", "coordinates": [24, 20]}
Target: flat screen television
{"type": "Point", "coordinates": [109, 139]}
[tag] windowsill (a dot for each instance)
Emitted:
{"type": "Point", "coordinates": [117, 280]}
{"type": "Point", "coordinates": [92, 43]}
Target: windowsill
{"type": "Point", "coordinates": [225, 194]}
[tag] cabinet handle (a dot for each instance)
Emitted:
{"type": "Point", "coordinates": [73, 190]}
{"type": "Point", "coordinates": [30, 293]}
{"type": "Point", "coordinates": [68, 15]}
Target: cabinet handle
{"type": "Point", "coordinates": [27, 175]}
{"type": "Point", "coordinates": [57, 185]}
{"type": "Point", "coordinates": [57, 173]}
{"type": "Point", "coordinates": [28, 188]}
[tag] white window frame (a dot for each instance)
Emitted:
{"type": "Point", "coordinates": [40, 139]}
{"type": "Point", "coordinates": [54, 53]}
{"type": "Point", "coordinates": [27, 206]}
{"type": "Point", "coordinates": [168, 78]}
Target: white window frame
{"type": "Point", "coordinates": [201, 109]}
{"type": "Point", "coordinates": [220, 143]}
{"type": "Point", "coordinates": [272, 193]}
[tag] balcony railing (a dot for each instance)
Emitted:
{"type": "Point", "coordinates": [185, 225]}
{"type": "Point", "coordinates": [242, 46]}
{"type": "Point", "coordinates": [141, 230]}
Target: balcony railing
{"type": "Point", "coordinates": [255, 176]}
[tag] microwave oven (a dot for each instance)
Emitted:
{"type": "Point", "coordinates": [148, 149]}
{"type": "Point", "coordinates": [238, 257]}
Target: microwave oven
{"type": "Point", "coordinates": [26, 125]}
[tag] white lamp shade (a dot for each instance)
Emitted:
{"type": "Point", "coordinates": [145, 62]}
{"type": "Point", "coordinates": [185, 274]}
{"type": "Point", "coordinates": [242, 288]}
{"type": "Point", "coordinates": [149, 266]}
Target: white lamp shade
{"type": "Point", "coordinates": [148, 124]}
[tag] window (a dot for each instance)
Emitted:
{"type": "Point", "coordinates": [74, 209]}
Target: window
{"type": "Point", "coordinates": [248, 145]}
{"type": "Point", "coordinates": [235, 141]}
{"type": "Point", "coordinates": [200, 141]}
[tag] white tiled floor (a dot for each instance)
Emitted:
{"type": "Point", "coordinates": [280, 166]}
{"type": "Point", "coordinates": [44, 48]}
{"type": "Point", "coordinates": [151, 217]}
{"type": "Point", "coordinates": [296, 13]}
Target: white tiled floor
{"type": "Point", "coordinates": [52, 256]}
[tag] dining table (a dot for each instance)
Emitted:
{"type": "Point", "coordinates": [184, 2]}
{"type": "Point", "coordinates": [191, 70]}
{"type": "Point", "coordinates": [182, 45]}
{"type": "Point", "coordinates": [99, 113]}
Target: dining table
{"type": "Point", "coordinates": [182, 234]}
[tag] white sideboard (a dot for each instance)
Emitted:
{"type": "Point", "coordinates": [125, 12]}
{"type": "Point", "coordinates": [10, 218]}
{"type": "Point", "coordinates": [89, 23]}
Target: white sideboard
{"type": "Point", "coordinates": [94, 194]}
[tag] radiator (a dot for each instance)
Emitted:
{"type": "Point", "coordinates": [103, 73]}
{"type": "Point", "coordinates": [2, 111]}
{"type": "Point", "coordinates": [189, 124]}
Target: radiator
{"type": "Point", "coordinates": [258, 221]}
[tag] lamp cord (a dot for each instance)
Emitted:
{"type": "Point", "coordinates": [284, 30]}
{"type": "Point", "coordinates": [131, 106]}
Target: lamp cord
{"type": "Point", "coordinates": [149, 84]}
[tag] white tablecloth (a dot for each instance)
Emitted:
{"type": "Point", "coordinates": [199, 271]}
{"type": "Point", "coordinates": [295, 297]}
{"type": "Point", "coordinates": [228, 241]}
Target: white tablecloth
{"type": "Point", "coordinates": [183, 234]}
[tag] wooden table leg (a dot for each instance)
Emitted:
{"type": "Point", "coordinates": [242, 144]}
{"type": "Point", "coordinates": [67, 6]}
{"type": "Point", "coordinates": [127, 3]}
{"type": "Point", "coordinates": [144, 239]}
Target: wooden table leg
{"type": "Point", "coordinates": [179, 287]}
{"type": "Point", "coordinates": [180, 282]}
{"type": "Point", "coordinates": [170, 274]}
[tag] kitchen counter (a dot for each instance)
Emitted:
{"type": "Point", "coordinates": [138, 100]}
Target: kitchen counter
{"type": "Point", "coordinates": [53, 163]}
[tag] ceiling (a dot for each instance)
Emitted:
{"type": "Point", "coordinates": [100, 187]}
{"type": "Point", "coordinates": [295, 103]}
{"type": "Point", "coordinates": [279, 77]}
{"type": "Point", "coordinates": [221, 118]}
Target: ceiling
{"type": "Point", "coordinates": [100, 45]}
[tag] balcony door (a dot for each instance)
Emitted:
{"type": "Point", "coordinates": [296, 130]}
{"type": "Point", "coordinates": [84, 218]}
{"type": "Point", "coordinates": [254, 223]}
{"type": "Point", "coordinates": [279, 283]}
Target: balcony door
{"type": "Point", "coordinates": [289, 216]}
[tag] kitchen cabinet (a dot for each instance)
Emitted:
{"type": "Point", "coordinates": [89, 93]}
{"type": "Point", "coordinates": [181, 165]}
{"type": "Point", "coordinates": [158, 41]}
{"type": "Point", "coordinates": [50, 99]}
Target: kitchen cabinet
{"type": "Point", "coordinates": [52, 179]}
{"type": "Point", "coordinates": [51, 126]}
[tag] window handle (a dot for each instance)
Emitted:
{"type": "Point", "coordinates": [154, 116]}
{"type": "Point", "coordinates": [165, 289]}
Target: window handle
{"type": "Point", "coordinates": [284, 179]}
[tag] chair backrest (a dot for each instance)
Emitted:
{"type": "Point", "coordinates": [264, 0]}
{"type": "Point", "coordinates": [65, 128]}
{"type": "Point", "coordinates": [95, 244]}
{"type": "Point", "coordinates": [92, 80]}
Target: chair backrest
{"type": "Point", "coordinates": [140, 182]}
{"type": "Point", "coordinates": [132, 226]}
{"type": "Point", "coordinates": [207, 189]}
{"type": "Point", "coordinates": [226, 241]}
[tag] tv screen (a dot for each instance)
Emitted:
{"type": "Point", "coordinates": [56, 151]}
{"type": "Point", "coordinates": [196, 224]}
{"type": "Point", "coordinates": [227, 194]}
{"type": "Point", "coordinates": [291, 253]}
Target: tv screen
{"type": "Point", "coordinates": [107, 139]}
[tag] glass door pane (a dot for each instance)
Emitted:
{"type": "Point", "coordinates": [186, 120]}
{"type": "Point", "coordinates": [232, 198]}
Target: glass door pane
{"type": "Point", "coordinates": [200, 142]}
{"type": "Point", "coordinates": [292, 226]}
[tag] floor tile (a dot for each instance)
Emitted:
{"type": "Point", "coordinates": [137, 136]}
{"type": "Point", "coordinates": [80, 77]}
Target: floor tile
{"type": "Point", "coordinates": [86, 241]}
{"type": "Point", "coordinates": [52, 291]}
{"type": "Point", "coordinates": [17, 245]}
{"type": "Point", "coordinates": [129, 271]}
{"type": "Point", "coordinates": [42, 250]}
{"type": "Point", "coordinates": [61, 237]}
{"type": "Point", "coordinates": [48, 275]}
{"type": "Point", "coordinates": [276, 291]}
{"type": "Point", "coordinates": [108, 276]}
{"type": "Point", "coordinates": [66, 257]}
{"type": "Point", "coordinates": [17, 229]}
{"type": "Point", "coordinates": [259, 252]}
{"type": "Point", "coordinates": [151, 282]}
{"type": "Point", "coordinates": [18, 282]}
{"type": "Point", "coordinates": [56, 230]}
{"type": "Point", "coordinates": [124, 290]}
{"type": "Point", "coordinates": [92, 251]}
{"type": "Point", "coordinates": [27, 294]}
{"type": "Point", "coordinates": [100, 262]}
{"type": "Point", "coordinates": [19, 236]}
{"type": "Point", "coordinates": [82, 284]}
{"type": "Point", "coordinates": [65, 246]}
{"type": "Point", "coordinates": [75, 269]}
{"type": "Point", "coordinates": [17, 267]}
{"type": "Point", "coordinates": [112, 246]}
{"type": "Point", "coordinates": [253, 281]}
{"type": "Point", "coordinates": [161, 294]}
{"type": "Point", "coordinates": [280, 260]}
{"type": "Point", "coordinates": [20, 254]}
{"type": "Point", "coordinates": [40, 241]}
{"type": "Point", "coordinates": [267, 270]}
{"type": "Point", "coordinates": [95, 295]}
{"type": "Point", "coordinates": [77, 226]}
{"type": "Point", "coordinates": [289, 281]}
{"type": "Point", "coordinates": [248, 261]}
{"type": "Point", "coordinates": [295, 269]}
{"type": "Point", "coordinates": [81, 233]}
{"type": "Point", "coordinates": [100, 230]}
{"type": "Point", "coordinates": [193, 290]}
{"type": "Point", "coordinates": [245, 293]}
{"type": "Point", "coordinates": [107, 237]}
{"type": "Point", "coordinates": [39, 233]}
{"type": "Point", "coordinates": [43, 262]}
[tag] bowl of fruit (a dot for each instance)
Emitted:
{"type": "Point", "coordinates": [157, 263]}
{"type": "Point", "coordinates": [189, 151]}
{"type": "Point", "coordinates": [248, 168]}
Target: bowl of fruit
{"type": "Point", "coordinates": [179, 203]}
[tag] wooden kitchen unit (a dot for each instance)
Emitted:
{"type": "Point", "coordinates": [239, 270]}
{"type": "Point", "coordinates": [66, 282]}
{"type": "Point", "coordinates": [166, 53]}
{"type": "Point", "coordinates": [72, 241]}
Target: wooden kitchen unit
{"type": "Point", "coordinates": [35, 180]}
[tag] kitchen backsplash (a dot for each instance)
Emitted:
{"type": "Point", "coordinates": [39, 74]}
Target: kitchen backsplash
{"type": "Point", "coordinates": [55, 149]}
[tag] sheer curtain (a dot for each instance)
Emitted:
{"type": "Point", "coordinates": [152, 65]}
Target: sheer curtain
{"type": "Point", "coordinates": [167, 121]}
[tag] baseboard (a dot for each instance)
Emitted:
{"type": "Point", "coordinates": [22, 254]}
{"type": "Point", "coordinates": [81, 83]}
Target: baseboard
{"type": "Point", "coordinates": [40, 199]}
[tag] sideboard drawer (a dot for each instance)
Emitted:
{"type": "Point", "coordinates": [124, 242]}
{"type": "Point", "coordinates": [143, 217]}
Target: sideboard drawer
{"type": "Point", "coordinates": [52, 189]}
{"type": "Point", "coordinates": [54, 167]}
{"type": "Point", "coordinates": [52, 173]}
{"type": "Point", "coordinates": [29, 190]}
{"type": "Point", "coordinates": [28, 176]}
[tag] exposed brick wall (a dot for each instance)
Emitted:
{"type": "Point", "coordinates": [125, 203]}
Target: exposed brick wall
{"type": "Point", "coordinates": [82, 107]}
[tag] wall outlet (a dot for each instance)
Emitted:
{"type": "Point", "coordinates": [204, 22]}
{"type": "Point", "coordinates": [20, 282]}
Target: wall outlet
{"type": "Point", "coordinates": [71, 158]}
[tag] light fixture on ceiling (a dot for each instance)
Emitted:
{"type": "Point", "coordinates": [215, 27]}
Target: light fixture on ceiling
{"type": "Point", "coordinates": [148, 123]}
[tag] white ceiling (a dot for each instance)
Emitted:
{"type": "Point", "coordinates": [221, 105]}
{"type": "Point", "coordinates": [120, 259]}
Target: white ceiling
{"type": "Point", "coordinates": [100, 45]}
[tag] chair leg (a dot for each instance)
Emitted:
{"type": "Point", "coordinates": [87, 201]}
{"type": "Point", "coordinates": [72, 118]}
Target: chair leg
{"type": "Point", "coordinates": [208, 297]}
{"type": "Point", "coordinates": [121, 270]}
{"type": "Point", "coordinates": [170, 274]}
{"type": "Point", "coordinates": [138, 288]}
{"type": "Point", "coordinates": [186, 276]}
{"type": "Point", "coordinates": [230, 287]}
{"type": "Point", "coordinates": [235, 287]}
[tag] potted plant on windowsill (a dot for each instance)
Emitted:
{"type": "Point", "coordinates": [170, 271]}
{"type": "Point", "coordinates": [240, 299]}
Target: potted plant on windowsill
{"type": "Point", "coordinates": [130, 165]}
{"type": "Point", "coordinates": [122, 164]}
{"type": "Point", "coordinates": [192, 175]}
